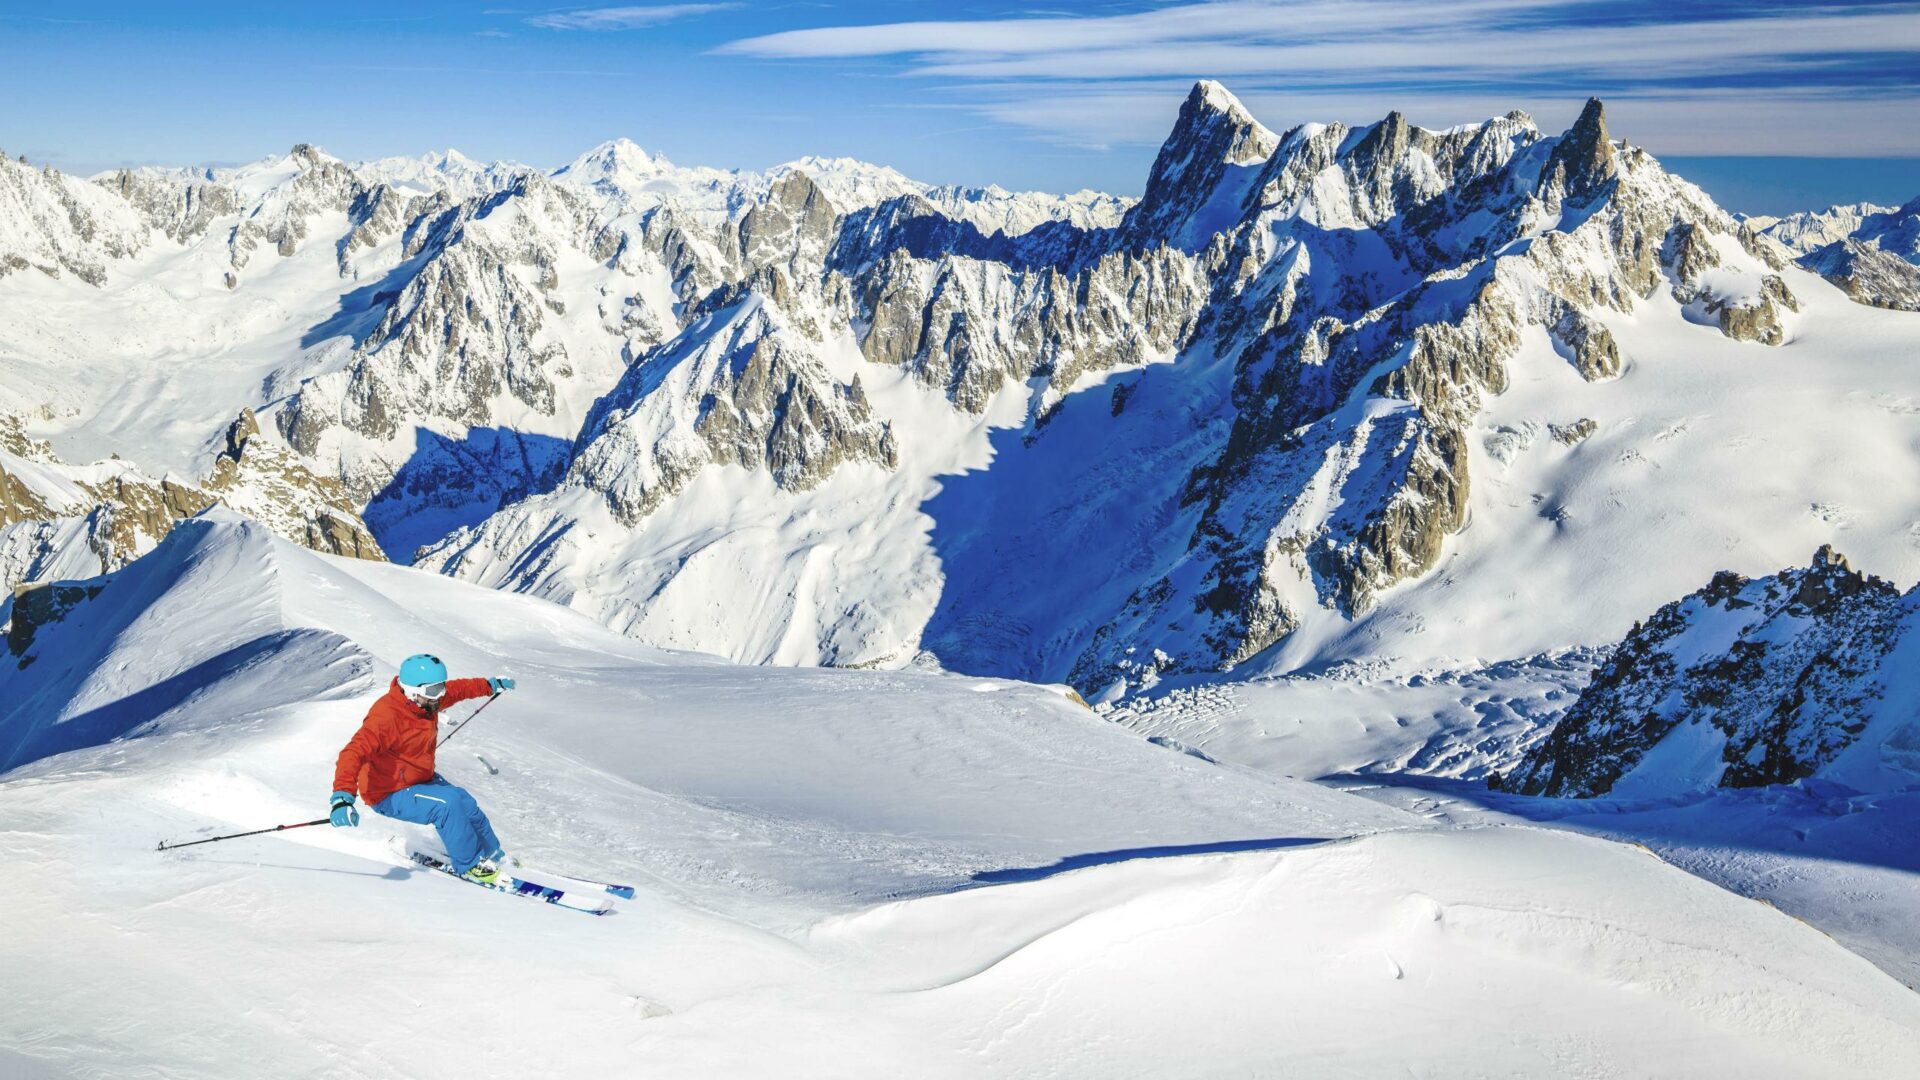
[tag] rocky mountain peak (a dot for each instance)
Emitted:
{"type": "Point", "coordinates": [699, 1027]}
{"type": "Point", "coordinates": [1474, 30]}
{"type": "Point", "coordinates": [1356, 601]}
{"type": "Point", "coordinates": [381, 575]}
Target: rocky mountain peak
{"type": "Point", "coordinates": [271, 484]}
{"type": "Point", "coordinates": [308, 156]}
{"type": "Point", "coordinates": [1781, 675]}
{"type": "Point", "coordinates": [1827, 558]}
{"type": "Point", "coordinates": [1212, 117]}
{"type": "Point", "coordinates": [1386, 139]}
{"type": "Point", "coordinates": [1826, 582]}
{"type": "Point", "coordinates": [1583, 160]}
{"type": "Point", "coordinates": [793, 218]}
{"type": "Point", "coordinates": [243, 428]}
{"type": "Point", "coordinates": [1213, 137]}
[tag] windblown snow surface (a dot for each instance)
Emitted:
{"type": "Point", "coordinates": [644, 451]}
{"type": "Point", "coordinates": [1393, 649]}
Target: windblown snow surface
{"type": "Point", "coordinates": [840, 873]}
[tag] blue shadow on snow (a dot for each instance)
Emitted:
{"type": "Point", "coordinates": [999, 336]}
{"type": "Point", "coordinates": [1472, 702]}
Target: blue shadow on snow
{"type": "Point", "coordinates": [118, 718]}
{"type": "Point", "coordinates": [450, 484]}
{"type": "Point", "coordinates": [1167, 851]}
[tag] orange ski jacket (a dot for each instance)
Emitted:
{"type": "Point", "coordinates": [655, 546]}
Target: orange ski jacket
{"type": "Point", "coordinates": [394, 747]}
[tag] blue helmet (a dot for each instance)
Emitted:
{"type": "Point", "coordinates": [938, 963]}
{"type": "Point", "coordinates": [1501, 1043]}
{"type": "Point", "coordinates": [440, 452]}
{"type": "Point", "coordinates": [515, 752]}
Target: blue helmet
{"type": "Point", "coordinates": [422, 670]}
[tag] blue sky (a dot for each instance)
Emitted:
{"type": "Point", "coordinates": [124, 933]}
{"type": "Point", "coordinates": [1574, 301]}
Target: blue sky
{"type": "Point", "coordinates": [1045, 94]}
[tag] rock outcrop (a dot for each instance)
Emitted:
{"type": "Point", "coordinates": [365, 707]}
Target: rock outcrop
{"type": "Point", "coordinates": [1743, 683]}
{"type": "Point", "coordinates": [61, 520]}
{"type": "Point", "coordinates": [68, 521]}
{"type": "Point", "coordinates": [274, 486]}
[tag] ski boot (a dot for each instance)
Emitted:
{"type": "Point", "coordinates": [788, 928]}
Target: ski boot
{"type": "Point", "coordinates": [486, 872]}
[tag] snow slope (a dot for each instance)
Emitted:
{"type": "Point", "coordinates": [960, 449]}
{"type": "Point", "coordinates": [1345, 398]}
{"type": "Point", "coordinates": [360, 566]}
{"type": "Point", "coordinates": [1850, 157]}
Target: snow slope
{"type": "Point", "coordinates": [840, 874]}
{"type": "Point", "coordinates": [1838, 858]}
{"type": "Point", "coordinates": [1797, 691]}
{"type": "Point", "coordinates": [1707, 454]}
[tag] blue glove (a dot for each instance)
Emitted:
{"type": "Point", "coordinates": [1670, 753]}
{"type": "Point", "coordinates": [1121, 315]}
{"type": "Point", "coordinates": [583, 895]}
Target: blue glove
{"type": "Point", "coordinates": [497, 685]}
{"type": "Point", "coordinates": [344, 814]}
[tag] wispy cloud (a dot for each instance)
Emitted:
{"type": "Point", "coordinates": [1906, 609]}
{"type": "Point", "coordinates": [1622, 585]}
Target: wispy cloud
{"type": "Point", "coordinates": [1223, 22]}
{"type": "Point", "coordinates": [1699, 75]}
{"type": "Point", "coordinates": [446, 69]}
{"type": "Point", "coordinates": [623, 18]}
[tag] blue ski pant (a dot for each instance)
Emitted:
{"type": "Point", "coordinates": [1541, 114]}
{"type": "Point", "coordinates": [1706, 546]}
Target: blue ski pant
{"type": "Point", "coordinates": [464, 830]}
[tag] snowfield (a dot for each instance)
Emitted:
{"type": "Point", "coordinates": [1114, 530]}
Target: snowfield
{"type": "Point", "coordinates": [839, 874]}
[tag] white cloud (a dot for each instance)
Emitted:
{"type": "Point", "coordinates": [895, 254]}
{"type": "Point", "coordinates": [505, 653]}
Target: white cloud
{"type": "Point", "coordinates": [1618, 51]}
{"type": "Point", "coordinates": [622, 18]}
{"type": "Point", "coordinates": [1830, 122]}
{"type": "Point", "coordinates": [1116, 79]}
{"type": "Point", "coordinates": [1228, 21]}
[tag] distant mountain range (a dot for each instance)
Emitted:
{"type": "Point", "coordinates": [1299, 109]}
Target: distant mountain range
{"type": "Point", "coordinates": [1379, 391]}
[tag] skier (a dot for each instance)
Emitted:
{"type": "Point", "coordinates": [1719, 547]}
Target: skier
{"type": "Point", "coordinates": [389, 761]}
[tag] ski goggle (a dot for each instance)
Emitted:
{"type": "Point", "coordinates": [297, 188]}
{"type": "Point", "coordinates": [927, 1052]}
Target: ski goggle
{"type": "Point", "coordinates": [432, 691]}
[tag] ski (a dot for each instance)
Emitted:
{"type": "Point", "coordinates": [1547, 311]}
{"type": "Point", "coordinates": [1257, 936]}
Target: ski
{"type": "Point", "coordinates": [518, 886]}
{"type": "Point", "coordinates": [624, 892]}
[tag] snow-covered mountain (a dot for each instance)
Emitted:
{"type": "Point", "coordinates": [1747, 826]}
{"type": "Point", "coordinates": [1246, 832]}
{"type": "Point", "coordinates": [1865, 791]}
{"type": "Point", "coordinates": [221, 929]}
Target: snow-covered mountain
{"type": "Point", "coordinates": [451, 172]}
{"type": "Point", "coordinates": [436, 355]}
{"type": "Point", "coordinates": [1745, 683]}
{"type": "Point", "coordinates": [1317, 395]}
{"type": "Point", "coordinates": [1812, 229]}
{"type": "Point", "coordinates": [1872, 252]}
{"type": "Point", "coordinates": [1270, 399]}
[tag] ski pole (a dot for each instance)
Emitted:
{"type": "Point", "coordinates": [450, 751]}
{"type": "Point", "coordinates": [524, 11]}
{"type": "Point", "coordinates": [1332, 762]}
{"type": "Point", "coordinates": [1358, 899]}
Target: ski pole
{"type": "Point", "coordinates": [468, 720]}
{"type": "Point", "coordinates": [164, 846]}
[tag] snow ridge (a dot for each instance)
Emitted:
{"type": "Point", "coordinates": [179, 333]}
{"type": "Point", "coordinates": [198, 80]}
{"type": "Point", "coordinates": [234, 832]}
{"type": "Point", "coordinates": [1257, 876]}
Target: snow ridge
{"type": "Point", "coordinates": [1747, 683]}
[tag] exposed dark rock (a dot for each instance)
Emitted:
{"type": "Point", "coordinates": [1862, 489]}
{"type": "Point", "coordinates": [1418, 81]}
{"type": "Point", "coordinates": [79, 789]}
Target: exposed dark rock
{"type": "Point", "coordinates": [275, 487]}
{"type": "Point", "coordinates": [1213, 134]}
{"type": "Point", "coordinates": [40, 605]}
{"type": "Point", "coordinates": [1868, 274]}
{"type": "Point", "coordinates": [1786, 671]}
{"type": "Point", "coordinates": [1573, 434]}
{"type": "Point", "coordinates": [1587, 344]}
{"type": "Point", "coordinates": [1583, 161]}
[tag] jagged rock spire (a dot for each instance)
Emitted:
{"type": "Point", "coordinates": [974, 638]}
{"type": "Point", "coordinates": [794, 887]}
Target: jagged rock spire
{"type": "Point", "coordinates": [1584, 159]}
{"type": "Point", "coordinates": [1214, 131]}
{"type": "Point", "coordinates": [1379, 153]}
